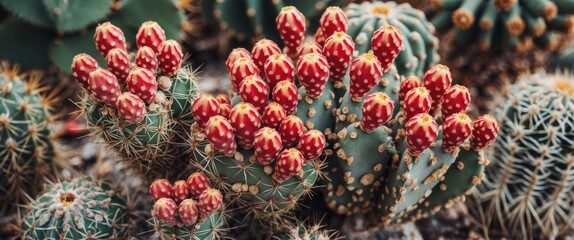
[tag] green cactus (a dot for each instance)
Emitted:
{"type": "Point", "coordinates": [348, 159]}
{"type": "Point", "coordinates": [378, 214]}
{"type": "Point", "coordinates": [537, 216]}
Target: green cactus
{"type": "Point", "coordinates": [528, 187]}
{"type": "Point", "coordinates": [55, 31]}
{"type": "Point", "coordinates": [500, 25]}
{"type": "Point", "coordinates": [318, 113]}
{"type": "Point", "coordinates": [78, 209]}
{"type": "Point", "coordinates": [420, 50]}
{"type": "Point", "coordinates": [567, 60]}
{"type": "Point", "coordinates": [211, 228]}
{"type": "Point", "coordinates": [302, 232]}
{"type": "Point", "coordinates": [182, 92]}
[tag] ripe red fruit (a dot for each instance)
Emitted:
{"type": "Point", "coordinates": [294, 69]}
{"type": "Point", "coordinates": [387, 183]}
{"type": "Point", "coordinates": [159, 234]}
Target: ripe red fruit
{"type": "Point", "coordinates": [455, 100]}
{"type": "Point", "coordinates": [165, 209]}
{"type": "Point", "coordinates": [170, 57]}
{"type": "Point", "coordinates": [160, 188]}
{"type": "Point", "coordinates": [108, 37]}
{"type": "Point", "coordinates": [417, 100]}
{"type": "Point", "coordinates": [197, 183]}
{"type": "Point", "coordinates": [209, 202]}
{"type": "Point", "coordinates": [377, 110]}
{"type": "Point", "coordinates": [223, 98]}
{"type": "Point", "coordinates": [484, 132]}
{"type": "Point", "coordinates": [142, 83]}
{"type": "Point", "coordinates": [291, 25]}
{"type": "Point", "coordinates": [437, 80]}
{"type": "Point", "coordinates": [150, 34]}
{"type": "Point", "coordinates": [267, 145]}
{"type": "Point", "coordinates": [145, 58]}
{"type": "Point", "coordinates": [279, 67]}
{"type": "Point", "coordinates": [286, 94]}
{"type": "Point", "coordinates": [338, 50]}
{"type": "Point", "coordinates": [188, 212]}
{"type": "Point", "coordinates": [272, 115]}
{"type": "Point", "coordinates": [118, 61]}
{"type": "Point", "coordinates": [235, 55]}
{"type": "Point", "coordinates": [309, 47]}
{"type": "Point", "coordinates": [104, 86]}
{"type": "Point", "coordinates": [224, 109]}
{"type": "Point", "coordinates": [203, 108]}
{"type": "Point", "coordinates": [180, 191]}
{"type": "Point", "coordinates": [289, 163]}
{"type": "Point", "coordinates": [255, 91]}
{"type": "Point", "coordinates": [311, 144]}
{"type": "Point", "coordinates": [365, 73]}
{"type": "Point", "coordinates": [387, 43]}
{"type": "Point", "coordinates": [408, 84]}
{"type": "Point", "coordinates": [241, 69]}
{"type": "Point", "coordinates": [245, 120]}
{"type": "Point", "coordinates": [262, 50]}
{"type": "Point", "coordinates": [219, 133]}
{"type": "Point", "coordinates": [82, 65]}
{"type": "Point", "coordinates": [455, 130]}
{"type": "Point", "coordinates": [422, 131]}
{"type": "Point", "coordinates": [131, 107]}
{"type": "Point", "coordinates": [313, 73]}
{"type": "Point", "coordinates": [291, 128]}
{"type": "Point", "coordinates": [333, 20]}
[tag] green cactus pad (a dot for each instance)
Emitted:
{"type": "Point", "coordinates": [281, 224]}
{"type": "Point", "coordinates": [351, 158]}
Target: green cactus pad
{"type": "Point", "coordinates": [19, 41]}
{"type": "Point", "coordinates": [317, 113]}
{"type": "Point", "coordinates": [31, 11]}
{"type": "Point", "coordinates": [133, 13]}
{"type": "Point", "coordinates": [72, 15]}
{"type": "Point", "coordinates": [181, 94]}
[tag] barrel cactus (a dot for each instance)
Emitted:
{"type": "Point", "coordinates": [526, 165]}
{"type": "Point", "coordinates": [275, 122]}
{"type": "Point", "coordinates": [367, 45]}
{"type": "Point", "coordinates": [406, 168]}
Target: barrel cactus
{"type": "Point", "coordinates": [528, 187]}
{"type": "Point", "coordinates": [78, 209]}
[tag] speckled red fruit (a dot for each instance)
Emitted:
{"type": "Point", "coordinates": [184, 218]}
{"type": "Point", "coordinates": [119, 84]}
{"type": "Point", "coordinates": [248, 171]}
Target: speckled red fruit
{"type": "Point", "coordinates": [365, 73]}
{"type": "Point", "coordinates": [104, 86]}
{"type": "Point", "coordinates": [455, 100]}
{"type": "Point", "coordinates": [82, 65]}
{"type": "Point", "coordinates": [309, 47]}
{"type": "Point", "coordinates": [408, 84]}
{"type": "Point", "coordinates": [160, 188]}
{"type": "Point", "coordinates": [333, 20]}
{"type": "Point", "coordinates": [422, 131]}
{"type": "Point", "coordinates": [197, 182]}
{"type": "Point", "coordinates": [377, 110]}
{"type": "Point", "coordinates": [118, 62]}
{"type": "Point", "coordinates": [311, 144]}
{"type": "Point", "coordinates": [150, 34]}
{"type": "Point", "coordinates": [417, 100]}
{"type": "Point", "coordinates": [437, 80]}
{"type": "Point", "coordinates": [203, 108]}
{"type": "Point", "coordinates": [313, 73]}
{"type": "Point", "coordinates": [272, 115]}
{"type": "Point", "coordinates": [291, 129]}
{"type": "Point", "coordinates": [455, 130]}
{"type": "Point", "coordinates": [289, 163]}
{"type": "Point", "coordinates": [387, 43]}
{"type": "Point", "coordinates": [188, 212]}
{"type": "Point", "coordinates": [241, 69]}
{"type": "Point", "coordinates": [235, 55]}
{"type": "Point", "coordinates": [338, 50]}
{"type": "Point", "coordinates": [219, 133]}
{"type": "Point", "coordinates": [262, 50]}
{"type": "Point", "coordinates": [279, 67]}
{"type": "Point", "coordinates": [245, 120]}
{"type": "Point", "coordinates": [223, 98]}
{"type": "Point", "coordinates": [145, 58]}
{"type": "Point", "coordinates": [165, 209]}
{"type": "Point", "coordinates": [255, 91]}
{"type": "Point", "coordinates": [484, 132]}
{"type": "Point", "coordinates": [180, 191]}
{"type": "Point", "coordinates": [108, 37]}
{"type": "Point", "coordinates": [169, 57]}
{"type": "Point", "coordinates": [319, 37]}
{"type": "Point", "coordinates": [267, 145]}
{"type": "Point", "coordinates": [142, 83]}
{"type": "Point", "coordinates": [224, 109]}
{"type": "Point", "coordinates": [291, 25]}
{"type": "Point", "coordinates": [286, 94]}
{"type": "Point", "coordinates": [131, 107]}
{"type": "Point", "coordinates": [209, 202]}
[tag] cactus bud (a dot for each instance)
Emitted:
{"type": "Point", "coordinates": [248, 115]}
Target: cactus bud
{"type": "Point", "coordinates": [241, 69]}
{"type": "Point", "coordinates": [245, 120]}
{"type": "Point", "coordinates": [131, 107]}
{"type": "Point", "coordinates": [279, 67]}
{"type": "Point", "coordinates": [422, 131]}
{"type": "Point", "coordinates": [289, 163]}
{"type": "Point", "coordinates": [408, 84]}
{"type": "Point", "coordinates": [311, 144]}
{"type": "Point", "coordinates": [104, 86]}
{"type": "Point", "coordinates": [484, 132]}
{"type": "Point", "coordinates": [203, 108]}
{"type": "Point", "coordinates": [286, 94]}
{"type": "Point", "coordinates": [209, 202]}
{"type": "Point", "coordinates": [333, 20]}
{"type": "Point", "coordinates": [291, 25]}
{"type": "Point", "coordinates": [273, 114]}
{"type": "Point", "coordinates": [455, 130]}
{"type": "Point", "coordinates": [145, 58]}
{"type": "Point", "coordinates": [417, 100]}
{"type": "Point", "coordinates": [365, 74]}
{"type": "Point", "coordinates": [455, 100]}
{"type": "Point", "coordinates": [387, 43]}
{"type": "Point", "coordinates": [262, 50]}
{"type": "Point", "coordinates": [255, 91]}
{"type": "Point", "coordinates": [180, 191]}
{"type": "Point", "coordinates": [118, 62]}
{"type": "Point", "coordinates": [338, 50]}
{"type": "Point", "coordinates": [108, 37]}
{"type": "Point", "coordinates": [188, 212]}
{"type": "Point", "coordinates": [165, 209]}
{"type": "Point", "coordinates": [309, 47]}
{"type": "Point", "coordinates": [170, 57]}
{"type": "Point", "coordinates": [220, 134]}
{"type": "Point", "coordinates": [160, 188]}
{"type": "Point", "coordinates": [267, 145]}
{"type": "Point", "coordinates": [437, 80]}
{"type": "Point", "coordinates": [291, 128]}
{"type": "Point", "coordinates": [224, 109]}
{"type": "Point", "coordinates": [235, 55]}
{"type": "Point", "coordinates": [151, 35]}
{"type": "Point", "coordinates": [142, 83]}
{"type": "Point", "coordinates": [313, 73]}
{"type": "Point", "coordinates": [197, 183]}
{"type": "Point", "coordinates": [377, 110]}
{"type": "Point", "coordinates": [223, 98]}
{"type": "Point", "coordinates": [82, 65]}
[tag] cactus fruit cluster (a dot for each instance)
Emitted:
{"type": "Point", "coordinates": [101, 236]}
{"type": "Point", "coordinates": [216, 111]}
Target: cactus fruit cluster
{"type": "Point", "coordinates": [138, 106]}
{"type": "Point", "coordinates": [187, 209]}
{"type": "Point", "coordinates": [528, 188]}
{"type": "Point", "coordinates": [79, 209]}
{"type": "Point", "coordinates": [500, 25]}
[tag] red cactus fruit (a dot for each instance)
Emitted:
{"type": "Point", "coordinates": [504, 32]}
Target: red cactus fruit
{"type": "Point", "coordinates": [455, 130]}
{"type": "Point", "coordinates": [104, 86]}
{"type": "Point", "coordinates": [220, 134]}
{"type": "Point", "coordinates": [289, 163]}
{"type": "Point", "coordinates": [241, 69]}
{"type": "Point", "coordinates": [377, 110]}
{"type": "Point", "coordinates": [209, 202]}
{"type": "Point", "coordinates": [235, 55]}
{"type": "Point", "coordinates": [291, 129]}
{"type": "Point", "coordinates": [223, 98]}
{"type": "Point", "coordinates": [255, 91]}
{"type": "Point", "coordinates": [169, 57]}
{"type": "Point", "coordinates": [150, 34]}
{"type": "Point", "coordinates": [422, 131]}
{"type": "Point", "coordinates": [188, 212]}
{"type": "Point", "coordinates": [286, 94]}
{"type": "Point", "coordinates": [365, 73]}
{"type": "Point", "coordinates": [273, 114]}
{"type": "Point", "coordinates": [262, 50]}
{"type": "Point", "coordinates": [180, 191]}
{"type": "Point", "coordinates": [108, 37]}
{"type": "Point", "coordinates": [309, 47]}
{"type": "Point", "coordinates": [165, 209]}
{"type": "Point", "coordinates": [408, 84]}
{"type": "Point", "coordinates": [131, 107]}
{"type": "Point", "coordinates": [333, 20]}
{"type": "Point", "coordinates": [311, 144]}
{"type": "Point", "coordinates": [142, 83]}
{"type": "Point", "coordinates": [160, 188]}
{"type": "Point", "coordinates": [484, 132]}
{"type": "Point", "coordinates": [417, 100]}
{"type": "Point", "coordinates": [197, 183]}
{"type": "Point", "coordinates": [313, 73]}
{"type": "Point", "coordinates": [82, 65]}
{"type": "Point", "coordinates": [145, 58]}
{"type": "Point", "coordinates": [224, 109]}
{"type": "Point", "coordinates": [203, 108]}
{"type": "Point", "coordinates": [245, 120]}
{"type": "Point", "coordinates": [118, 62]}
{"type": "Point", "coordinates": [279, 67]}
{"type": "Point", "coordinates": [456, 99]}
{"type": "Point", "coordinates": [387, 43]}
{"type": "Point", "coordinates": [437, 80]}
{"type": "Point", "coordinates": [338, 50]}
{"type": "Point", "coordinates": [291, 25]}
{"type": "Point", "coordinates": [267, 145]}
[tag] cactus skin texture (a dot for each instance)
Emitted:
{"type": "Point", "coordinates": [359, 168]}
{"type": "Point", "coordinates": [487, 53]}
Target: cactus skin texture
{"type": "Point", "coordinates": [532, 159]}
{"type": "Point", "coordinates": [77, 209]}
{"type": "Point", "coordinates": [419, 47]}
{"type": "Point", "coordinates": [301, 231]}
{"type": "Point", "coordinates": [500, 25]}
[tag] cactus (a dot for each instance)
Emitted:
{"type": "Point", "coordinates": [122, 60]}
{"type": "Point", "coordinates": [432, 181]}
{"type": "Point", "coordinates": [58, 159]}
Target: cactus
{"type": "Point", "coordinates": [80, 208]}
{"type": "Point", "coordinates": [531, 170]}
{"type": "Point", "coordinates": [62, 29]}
{"type": "Point", "coordinates": [303, 232]}
{"type": "Point", "coordinates": [501, 25]}
{"type": "Point", "coordinates": [566, 60]}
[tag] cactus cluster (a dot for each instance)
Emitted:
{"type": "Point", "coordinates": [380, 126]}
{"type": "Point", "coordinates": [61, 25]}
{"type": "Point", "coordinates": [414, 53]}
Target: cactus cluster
{"type": "Point", "coordinates": [79, 209]}
{"type": "Point", "coordinates": [500, 24]}
{"type": "Point", "coordinates": [137, 105]}
{"type": "Point", "coordinates": [187, 209]}
{"type": "Point", "coordinates": [55, 31]}
{"type": "Point", "coordinates": [528, 188]}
